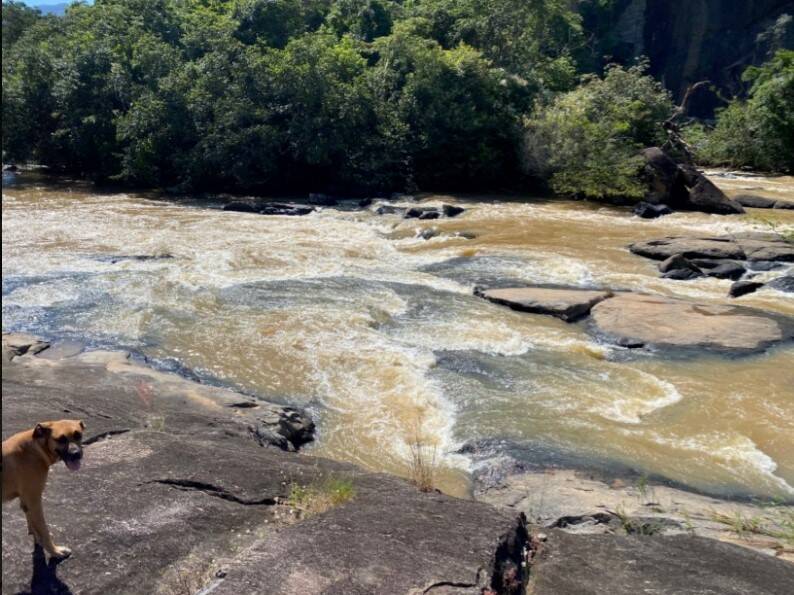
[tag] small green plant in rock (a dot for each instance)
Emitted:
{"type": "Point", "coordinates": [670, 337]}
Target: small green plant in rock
{"type": "Point", "coordinates": [317, 498]}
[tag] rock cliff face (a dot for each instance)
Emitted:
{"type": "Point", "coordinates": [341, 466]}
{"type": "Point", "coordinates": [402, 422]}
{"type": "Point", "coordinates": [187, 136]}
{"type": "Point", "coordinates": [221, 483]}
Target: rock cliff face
{"type": "Point", "coordinates": [692, 40]}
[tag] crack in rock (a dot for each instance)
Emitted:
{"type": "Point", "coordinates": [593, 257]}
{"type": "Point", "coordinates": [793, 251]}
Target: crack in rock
{"type": "Point", "coordinates": [215, 491]}
{"type": "Point", "coordinates": [103, 436]}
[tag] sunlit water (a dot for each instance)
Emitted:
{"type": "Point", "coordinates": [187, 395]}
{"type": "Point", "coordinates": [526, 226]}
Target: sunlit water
{"type": "Point", "coordinates": [378, 333]}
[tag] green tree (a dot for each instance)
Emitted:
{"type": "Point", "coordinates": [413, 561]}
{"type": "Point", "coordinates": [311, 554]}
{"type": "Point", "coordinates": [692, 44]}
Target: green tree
{"type": "Point", "coordinates": [587, 141]}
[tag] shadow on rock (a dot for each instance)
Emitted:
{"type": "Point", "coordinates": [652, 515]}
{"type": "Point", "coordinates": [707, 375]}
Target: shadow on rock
{"type": "Point", "coordinates": [45, 576]}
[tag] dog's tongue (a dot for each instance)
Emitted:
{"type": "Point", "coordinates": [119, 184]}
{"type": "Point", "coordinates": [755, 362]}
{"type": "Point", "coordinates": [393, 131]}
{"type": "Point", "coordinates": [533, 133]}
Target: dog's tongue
{"type": "Point", "coordinates": [73, 465]}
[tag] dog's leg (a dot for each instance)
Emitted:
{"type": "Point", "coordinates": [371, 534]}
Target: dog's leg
{"type": "Point", "coordinates": [37, 526]}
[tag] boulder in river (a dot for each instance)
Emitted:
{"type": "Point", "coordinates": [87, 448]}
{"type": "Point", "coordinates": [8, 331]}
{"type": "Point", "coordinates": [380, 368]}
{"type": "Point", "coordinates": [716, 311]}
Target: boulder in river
{"type": "Point", "coordinates": [741, 288]}
{"type": "Point", "coordinates": [452, 210]}
{"type": "Point", "coordinates": [566, 304]}
{"type": "Point", "coordinates": [646, 210]}
{"type": "Point", "coordinates": [682, 187]}
{"type": "Point", "coordinates": [638, 320]}
{"type": "Point", "coordinates": [727, 270]}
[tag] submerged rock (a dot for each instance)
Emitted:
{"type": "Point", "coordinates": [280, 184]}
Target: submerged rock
{"type": "Point", "coordinates": [638, 320]}
{"type": "Point", "coordinates": [785, 283]}
{"type": "Point", "coordinates": [566, 304]}
{"type": "Point", "coordinates": [679, 267]}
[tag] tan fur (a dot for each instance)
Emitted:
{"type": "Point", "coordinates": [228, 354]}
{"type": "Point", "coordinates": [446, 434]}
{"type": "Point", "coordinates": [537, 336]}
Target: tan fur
{"type": "Point", "coordinates": [27, 458]}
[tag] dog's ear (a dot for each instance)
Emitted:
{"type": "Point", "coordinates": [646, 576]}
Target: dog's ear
{"type": "Point", "coordinates": [82, 425]}
{"type": "Point", "coordinates": [42, 430]}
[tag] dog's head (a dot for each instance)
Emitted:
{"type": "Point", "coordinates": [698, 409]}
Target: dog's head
{"type": "Point", "coordinates": [63, 439]}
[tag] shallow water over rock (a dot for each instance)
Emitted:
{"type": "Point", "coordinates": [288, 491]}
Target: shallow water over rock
{"type": "Point", "coordinates": [377, 330]}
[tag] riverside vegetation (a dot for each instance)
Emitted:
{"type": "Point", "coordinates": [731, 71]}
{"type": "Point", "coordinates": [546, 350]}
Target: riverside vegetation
{"type": "Point", "coordinates": [355, 96]}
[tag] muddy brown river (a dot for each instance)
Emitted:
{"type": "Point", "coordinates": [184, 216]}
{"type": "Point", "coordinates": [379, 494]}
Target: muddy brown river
{"type": "Point", "coordinates": [376, 330]}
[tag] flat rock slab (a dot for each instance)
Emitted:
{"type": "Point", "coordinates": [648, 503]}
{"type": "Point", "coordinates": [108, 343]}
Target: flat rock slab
{"type": "Point", "coordinates": [727, 247]}
{"type": "Point", "coordinates": [637, 320]}
{"type": "Point", "coordinates": [629, 565]}
{"type": "Point", "coordinates": [567, 304]}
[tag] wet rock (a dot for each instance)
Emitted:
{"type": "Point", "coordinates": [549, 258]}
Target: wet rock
{"type": "Point", "coordinates": [290, 209]}
{"type": "Point", "coordinates": [784, 204]}
{"type": "Point", "coordinates": [677, 262]}
{"type": "Point", "coordinates": [466, 235]}
{"type": "Point", "coordinates": [683, 274]}
{"type": "Point", "coordinates": [566, 304]}
{"type": "Point", "coordinates": [452, 210]}
{"type": "Point", "coordinates": [741, 288]}
{"type": "Point", "coordinates": [390, 210]}
{"type": "Point", "coordinates": [240, 207]}
{"type": "Point", "coordinates": [430, 215]}
{"type": "Point", "coordinates": [755, 202]}
{"type": "Point", "coordinates": [647, 210]}
{"type": "Point", "coordinates": [785, 283]}
{"type": "Point", "coordinates": [10, 167]}
{"type": "Point", "coordinates": [630, 319]}
{"type": "Point", "coordinates": [732, 271]}
{"type": "Point", "coordinates": [365, 202]}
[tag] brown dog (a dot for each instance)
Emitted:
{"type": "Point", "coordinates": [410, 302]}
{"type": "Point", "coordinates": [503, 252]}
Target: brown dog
{"type": "Point", "coordinates": [27, 458]}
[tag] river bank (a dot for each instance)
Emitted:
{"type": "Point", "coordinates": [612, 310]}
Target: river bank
{"type": "Point", "coordinates": [177, 496]}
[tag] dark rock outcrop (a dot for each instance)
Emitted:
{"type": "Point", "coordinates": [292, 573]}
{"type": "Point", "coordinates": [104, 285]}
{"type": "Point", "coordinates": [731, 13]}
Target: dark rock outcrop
{"type": "Point", "coordinates": [292, 209]}
{"type": "Point", "coordinates": [433, 212]}
{"type": "Point", "coordinates": [735, 247]}
{"type": "Point", "coordinates": [682, 187]}
{"type": "Point", "coordinates": [688, 41]}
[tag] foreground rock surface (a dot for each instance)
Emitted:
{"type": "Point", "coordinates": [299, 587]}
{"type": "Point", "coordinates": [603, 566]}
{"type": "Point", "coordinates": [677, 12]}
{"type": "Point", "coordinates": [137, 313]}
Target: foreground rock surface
{"type": "Point", "coordinates": [575, 565]}
{"type": "Point", "coordinates": [567, 304]}
{"type": "Point", "coordinates": [637, 320]}
{"type": "Point", "coordinates": [176, 495]}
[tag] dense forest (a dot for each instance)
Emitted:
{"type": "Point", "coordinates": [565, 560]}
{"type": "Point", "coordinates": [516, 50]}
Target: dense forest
{"type": "Point", "coordinates": [266, 96]}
